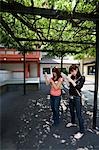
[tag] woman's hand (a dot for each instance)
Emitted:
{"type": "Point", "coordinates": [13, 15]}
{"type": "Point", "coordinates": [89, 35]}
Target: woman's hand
{"type": "Point", "coordinates": [45, 75]}
{"type": "Point", "coordinates": [71, 81]}
{"type": "Point", "coordinates": [46, 79]}
{"type": "Point", "coordinates": [69, 78]}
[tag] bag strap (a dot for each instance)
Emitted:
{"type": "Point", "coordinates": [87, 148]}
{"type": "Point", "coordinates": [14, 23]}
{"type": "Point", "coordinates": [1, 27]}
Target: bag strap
{"type": "Point", "coordinates": [78, 92]}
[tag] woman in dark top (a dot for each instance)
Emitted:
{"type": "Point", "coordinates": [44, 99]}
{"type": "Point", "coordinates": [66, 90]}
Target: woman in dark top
{"type": "Point", "coordinates": [76, 83]}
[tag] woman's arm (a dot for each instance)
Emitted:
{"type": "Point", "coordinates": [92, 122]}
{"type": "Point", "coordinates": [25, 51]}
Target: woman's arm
{"type": "Point", "coordinates": [46, 79]}
{"type": "Point", "coordinates": [68, 78]}
{"type": "Point", "coordinates": [80, 83]}
{"type": "Point", "coordinates": [58, 85]}
{"type": "Point", "coordinates": [65, 80]}
{"type": "Point", "coordinates": [72, 81]}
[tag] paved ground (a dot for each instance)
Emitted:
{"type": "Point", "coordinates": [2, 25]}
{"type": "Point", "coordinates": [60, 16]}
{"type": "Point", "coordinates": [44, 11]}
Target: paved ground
{"type": "Point", "coordinates": [26, 124]}
{"type": "Point", "coordinates": [88, 92]}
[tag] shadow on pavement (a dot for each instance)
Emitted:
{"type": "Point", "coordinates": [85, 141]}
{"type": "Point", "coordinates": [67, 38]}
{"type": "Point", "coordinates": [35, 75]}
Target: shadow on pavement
{"type": "Point", "coordinates": [26, 124]}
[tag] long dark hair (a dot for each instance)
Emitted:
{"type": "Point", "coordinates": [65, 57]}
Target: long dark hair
{"type": "Point", "coordinates": [56, 70]}
{"type": "Point", "coordinates": [74, 67]}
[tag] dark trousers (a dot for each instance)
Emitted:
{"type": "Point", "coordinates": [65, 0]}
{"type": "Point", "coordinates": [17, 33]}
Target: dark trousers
{"type": "Point", "coordinates": [55, 103]}
{"type": "Point", "coordinates": [76, 104]}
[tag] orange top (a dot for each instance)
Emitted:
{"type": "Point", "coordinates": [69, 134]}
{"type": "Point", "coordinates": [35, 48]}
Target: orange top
{"type": "Point", "coordinates": [56, 92]}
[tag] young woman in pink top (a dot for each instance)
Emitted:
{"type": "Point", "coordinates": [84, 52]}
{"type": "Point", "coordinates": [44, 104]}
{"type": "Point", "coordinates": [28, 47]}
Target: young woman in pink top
{"type": "Point", "coordinates": [55, 93]}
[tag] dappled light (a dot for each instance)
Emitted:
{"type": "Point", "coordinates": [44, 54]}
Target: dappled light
{"type": "Point", "coordinates": [40, 41]}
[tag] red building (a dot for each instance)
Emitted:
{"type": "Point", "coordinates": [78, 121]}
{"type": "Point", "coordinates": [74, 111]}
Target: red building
{"type": "Point", "coordinates": [12, 60]}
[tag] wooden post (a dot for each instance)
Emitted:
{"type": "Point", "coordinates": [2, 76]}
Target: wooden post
{"type": "Point", "coordinates": [38, 68]}
{"type": "Point", "coordinates": [96, 76]}
{"type": "Point", "coordinates": [62, 56]}
{"type": "Point", "coordinates": [24, 71]}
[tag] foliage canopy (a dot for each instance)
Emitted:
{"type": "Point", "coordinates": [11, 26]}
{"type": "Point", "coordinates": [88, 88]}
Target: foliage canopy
{"type": "Point", "coordinates": [79, 34]}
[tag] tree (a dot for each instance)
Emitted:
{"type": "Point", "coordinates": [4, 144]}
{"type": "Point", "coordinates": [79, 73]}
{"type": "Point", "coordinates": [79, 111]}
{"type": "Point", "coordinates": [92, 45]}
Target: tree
{"type": "Point", "coordinates": [78, 34]}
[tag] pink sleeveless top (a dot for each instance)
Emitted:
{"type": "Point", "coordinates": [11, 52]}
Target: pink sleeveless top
{"type": "Point", "coordinates": [56, 92]}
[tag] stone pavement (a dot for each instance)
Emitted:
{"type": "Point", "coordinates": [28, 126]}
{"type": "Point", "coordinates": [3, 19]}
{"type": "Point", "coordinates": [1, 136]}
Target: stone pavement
{"type": "Point", "coordinates": [88, 92]}
{"type": "Point", "coordinates": [26, 124]}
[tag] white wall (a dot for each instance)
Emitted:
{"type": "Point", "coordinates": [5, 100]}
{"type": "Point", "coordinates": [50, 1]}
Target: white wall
{"type": "Point", "coordinates": [88, 77]}
{"type": "Point", "coordinates": [5, 75]}
{"type": "Point", "coordinates": [18, 75]}
{"type": "Point", "coordinates": [33, 70]}
{"type": "Point", "coordinates": [12, 66]}
{"type": "Point", "coordinates": [85, 70]}
{"type": "Point", "coordinates": [18, 68]}
{"type": "Point", "coordinates": [42, 79]}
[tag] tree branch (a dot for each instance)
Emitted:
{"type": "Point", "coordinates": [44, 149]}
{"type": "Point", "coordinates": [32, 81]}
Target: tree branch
{"type": "Point", "coordinates": [55, 41]}
{"type": "Point", "coordinates": [7, 28]}
{"type": "Point", "coordinates": [16, 7]}
{"type": "Point", "coordinates": [28, 24]}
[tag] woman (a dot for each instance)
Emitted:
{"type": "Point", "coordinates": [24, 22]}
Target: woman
{"type": "Point", "coordinates": [55, 93]}
{"type": "Point", "coordinates": [76, 83]}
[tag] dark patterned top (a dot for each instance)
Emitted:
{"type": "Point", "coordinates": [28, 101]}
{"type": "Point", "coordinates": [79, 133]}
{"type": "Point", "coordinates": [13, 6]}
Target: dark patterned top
{"type": "Point", "coordinates": [74, 91]}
